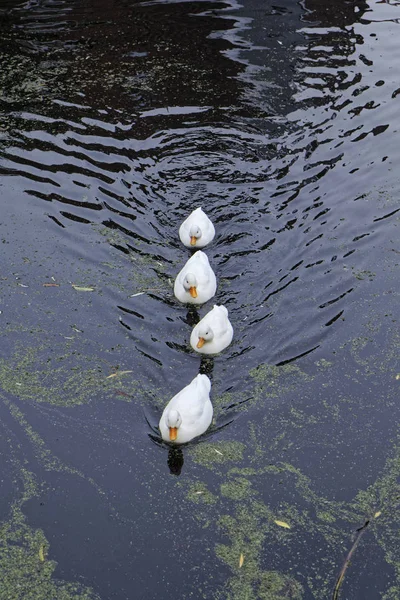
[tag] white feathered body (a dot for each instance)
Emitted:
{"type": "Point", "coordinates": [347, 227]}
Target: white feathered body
{"type": "Point", "coordinates": [199, 266]}
{"type": "Point", "coordinates": [216, 321]}
{"type": "Point", "coordinates": [197, 221]}
{"type": "Point", "coordinates": [194, 406]}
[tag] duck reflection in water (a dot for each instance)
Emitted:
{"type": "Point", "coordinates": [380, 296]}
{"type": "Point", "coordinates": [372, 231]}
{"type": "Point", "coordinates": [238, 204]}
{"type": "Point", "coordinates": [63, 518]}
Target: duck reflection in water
{"type": "Point", "coordinates": [192, 316]}
{"type": "Point", "coordinates": [207, 366]}
{"type": "Point", "coordinates": [175, 461]}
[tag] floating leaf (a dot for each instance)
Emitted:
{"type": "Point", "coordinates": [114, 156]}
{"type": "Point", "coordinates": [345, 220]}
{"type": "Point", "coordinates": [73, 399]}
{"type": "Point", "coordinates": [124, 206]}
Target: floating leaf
{"type": "Point", "coordinates": [79, 288]}
{"type": "Point", "coordinates": [218, 452]}
{"type": "Point", "coordinates": [118, 373]}
{"type": "Point", "coordinates": [378, 514]}
{"type": "Point", "coordinates": [41, 553]}
{"type": "Point", "coordinates": [283, 524]}
{"type": "Point", "coordinates": [51, 285]}
{"type": "Point", "coordinates": [398, 376]}
{"type": "Point", "coordinates": [138, 294]}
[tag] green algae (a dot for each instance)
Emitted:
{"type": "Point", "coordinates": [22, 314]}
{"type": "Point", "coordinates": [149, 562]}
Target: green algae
{"type": "Point", "coordinates": [326, 516]}
{"type": "Point", "coordinates": [364, 275]}
{"type": "Point", "coordinates": [217, 453]}
{"type": "Point", "coordinates": [224, 401]}
{"type": "Point", "coordinates": [245, 515]}
{"type": "Point", "coordinates": [248, 532]}
{"type": "Point", "coordinates": [381, 503]}
{"type": "Point", "coordinates": [236, 489]}
{"type": "Point", "coordinates": [250, 526]}
{"type": "Point", "coordinates": [270, 585]}
{"type": "Point", "coordinates": [25, 79]}
{"type": "Point", "coordinates": [249, 521]}
{"type": "Point", "coordinates": [271, 381]}
{"type": "Point", "coordinates": [62, 376]}
{"type": "Point", "coordinates": [275, 586]}
{"type": "Point", "coordinates": [27, 570]}
{"type": "Point", "coordinates": [287, 375]}
{"type": "Point", "coordinates": [47, 459]}
{"type": "Point", "coordinates": [245, 518]}
{"type": "Point", "coordinates": [199, 493]}
{"type": "Point", "coordinates": [42, 453]}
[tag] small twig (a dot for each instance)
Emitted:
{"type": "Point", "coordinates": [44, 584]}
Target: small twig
{"type": "Point", "coordinates": [346, 564]}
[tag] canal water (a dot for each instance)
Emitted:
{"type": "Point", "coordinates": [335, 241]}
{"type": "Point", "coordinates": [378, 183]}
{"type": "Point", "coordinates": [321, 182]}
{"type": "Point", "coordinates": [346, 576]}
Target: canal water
{"type": "Point", "coordinates": [281, 120]}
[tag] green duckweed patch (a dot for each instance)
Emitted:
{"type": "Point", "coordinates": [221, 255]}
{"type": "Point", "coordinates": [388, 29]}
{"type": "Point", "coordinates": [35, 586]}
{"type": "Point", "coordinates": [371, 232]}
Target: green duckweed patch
{"type": "Point", "coordinates": [145, 272]}
{"type": "Point", "coordinates": [200, 494]}
{"type": "Point", "coordinates": [280, 542]}
{"type": "Point", "coordinates": [275, 586]}
{"type": "Point", "coordinates": [27, 571]}
{"type": "Point", "coordinates": [366, 274]}
{"type": "Point", "coordinates": [62, 377]}
{"type": "Point", "coordinates": [273, 376]}
{"type": "Point", "coordinates": [222, 402]}
{"type": "Point", "coordinates": [238, 488]}
{"type": "Point", "coordinates": [25, 79]}
{"type": "Point", "coordinates": [248, 531]}
{"type": "Point", "coordinates": [214, 454]}
{"type": "Point", "coordinates": [273, 382]}
{"type": "Point", "coordinates": [326, 516]}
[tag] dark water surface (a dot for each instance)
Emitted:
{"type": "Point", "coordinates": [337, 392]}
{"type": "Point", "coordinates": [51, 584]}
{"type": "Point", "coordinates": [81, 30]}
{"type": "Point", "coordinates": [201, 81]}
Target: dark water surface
{"type": "Point", "coordinates": [282, 121]}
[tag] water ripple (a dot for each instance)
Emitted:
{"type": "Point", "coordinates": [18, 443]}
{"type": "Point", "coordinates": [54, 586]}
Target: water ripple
{"type": "Point", "coordinates": [278, 153]}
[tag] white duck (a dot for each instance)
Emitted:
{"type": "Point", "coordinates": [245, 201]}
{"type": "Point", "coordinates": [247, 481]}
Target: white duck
{"type": "Point", "coordinates": [213, 333]}
{"type": "Point", "coordinates": [197, 230]}
{"type": "Point", "coordinates": [196, 282]}
{"type": "Point", "coordinates": [189, 413]}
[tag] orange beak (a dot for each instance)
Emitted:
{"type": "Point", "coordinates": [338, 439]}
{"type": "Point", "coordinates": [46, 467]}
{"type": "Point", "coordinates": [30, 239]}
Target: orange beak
{"type": "Point", "coordinates": [173, 433]}
{"type": "Point", "coordinates": [193, 240]}
{"type": "Point", "coordinates": [193, 291]}
{"type": "Point", "coordinates": [201, 342]}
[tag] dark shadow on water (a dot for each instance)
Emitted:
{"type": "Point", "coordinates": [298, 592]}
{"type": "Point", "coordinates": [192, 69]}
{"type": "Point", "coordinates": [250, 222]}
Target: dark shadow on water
{"type": "Point", "coordinates": [192, 317]}
{"type": "Point", "coordinates": [207, 366]}
{"type": "Point", "coordinates": [175, 461]}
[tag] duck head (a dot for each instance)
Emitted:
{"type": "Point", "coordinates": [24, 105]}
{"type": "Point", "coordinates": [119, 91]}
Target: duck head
{"type": "Point", "coordinates": [173, 421]}
{"type": "Point", "coordinates": [195, 234]}
{"type": "Point", "coordinates": [190, 284]}
{"type": "Point", "coordinates": [205, 334]}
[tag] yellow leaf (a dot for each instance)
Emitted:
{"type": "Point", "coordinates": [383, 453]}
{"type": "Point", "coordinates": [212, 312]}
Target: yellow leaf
{"type": "Point", "coordinates": [241, 561]}
{"type": "Point", "coordinates": [283, 524]}
{"type": "Point", "coordinates": [398, 376]}
{"type": "Point", "coordinates": [118, 373]}
{"type": "Point", "coordinates": [79, 288]}
{"type": "Point", "coordinates": [218, 452]}
{"type": "Point", "coordinates": [41, 553]}
{"type": "Point", "coordinates": [378, 514]}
